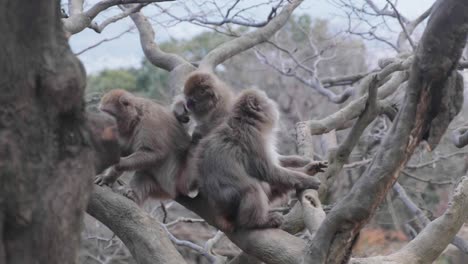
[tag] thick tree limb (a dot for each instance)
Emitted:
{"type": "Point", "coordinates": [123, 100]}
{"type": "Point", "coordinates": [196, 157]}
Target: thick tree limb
{"type": "Point", "coordinates": [436, 57]}
{"type": "Point", "coordinates": [143, 236]}
{"type": "Point", "coordinates": [153, 53]}
{"type": "Point", "coordinates": [249, 40]}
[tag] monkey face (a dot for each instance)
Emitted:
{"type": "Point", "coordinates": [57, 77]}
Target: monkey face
{"type": "Point", "coordinates": [121, 105]}
{"type": "Point", "coordinates": [200, 93]}
{"type": "Point", "coordinates": [201, 100]}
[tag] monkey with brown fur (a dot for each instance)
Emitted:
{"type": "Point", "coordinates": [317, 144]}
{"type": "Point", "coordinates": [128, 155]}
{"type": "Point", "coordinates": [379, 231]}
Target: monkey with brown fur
{"type": "Point", "coordinates": [209, 101]}
{"type": "Point", "coordinates": [153, 144]}
{"type": "Point", "coordinates": [238, 157]}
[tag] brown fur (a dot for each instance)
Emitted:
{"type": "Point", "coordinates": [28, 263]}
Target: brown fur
{"type": "Point", "coordinates": [237, 159]}
{"type": "Point", "coordinates": [154, 144]}
{"type": "Point", "coordinates": [208, 100]}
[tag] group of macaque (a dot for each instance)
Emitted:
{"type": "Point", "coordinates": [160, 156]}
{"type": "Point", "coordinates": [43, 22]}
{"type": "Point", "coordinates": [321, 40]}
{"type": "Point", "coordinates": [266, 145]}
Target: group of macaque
{"type": "Point", "coordinates": [230, 158]}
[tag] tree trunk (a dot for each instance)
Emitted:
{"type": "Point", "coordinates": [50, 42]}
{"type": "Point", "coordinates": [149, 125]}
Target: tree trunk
{"type": "Point", "coordinates": [45, 154]}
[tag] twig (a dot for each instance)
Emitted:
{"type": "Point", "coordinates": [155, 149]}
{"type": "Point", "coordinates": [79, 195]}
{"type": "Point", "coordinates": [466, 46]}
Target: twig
{"type": "Point", "coordinates": [103, 41]}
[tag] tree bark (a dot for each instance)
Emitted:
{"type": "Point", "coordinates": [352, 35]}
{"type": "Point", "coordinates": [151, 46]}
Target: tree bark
{"type": "Point", "coordinates": [45, 154]}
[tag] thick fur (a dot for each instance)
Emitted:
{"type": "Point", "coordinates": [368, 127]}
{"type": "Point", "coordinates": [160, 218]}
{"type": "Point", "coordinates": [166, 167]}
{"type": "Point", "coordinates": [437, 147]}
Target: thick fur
{"type": "Point", "coordinates": [153, 143]}
{"type": "Point", "coordinates": [236, 165]}
{"type": "Point", "coordinates": [208, 100]}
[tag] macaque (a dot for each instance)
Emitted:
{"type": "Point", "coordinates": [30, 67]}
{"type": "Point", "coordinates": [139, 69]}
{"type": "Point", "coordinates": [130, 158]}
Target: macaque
{"type": "Point", "coordinates": [103, 136]}
{"type": "Point", "coordinates": [238, 162]}
{"type": "Point", "coordinates": [153, 144]}
{"type": "Point", "coordinates": [209, 101]}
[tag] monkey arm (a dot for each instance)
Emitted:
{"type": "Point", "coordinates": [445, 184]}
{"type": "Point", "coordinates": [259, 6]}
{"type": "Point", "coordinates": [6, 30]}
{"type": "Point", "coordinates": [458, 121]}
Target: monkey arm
{"type": "Point", "coordinates": [302, 164]}
{"type": "Point", "coordinates": [292, 179]}
{"type": "Point", "coordinates": [293, 161]}
{"type": "Point", "coordinates": [139, 160]}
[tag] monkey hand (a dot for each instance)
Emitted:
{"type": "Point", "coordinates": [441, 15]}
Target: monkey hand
{"type": "Point", "coordinates": [180, 110]}
{"type": "Point", "coordinates": [108, 177]}
{"type": "Point", "coordinates": [309, 183]}
{"type": "Point", "coordinates": [315, 167]}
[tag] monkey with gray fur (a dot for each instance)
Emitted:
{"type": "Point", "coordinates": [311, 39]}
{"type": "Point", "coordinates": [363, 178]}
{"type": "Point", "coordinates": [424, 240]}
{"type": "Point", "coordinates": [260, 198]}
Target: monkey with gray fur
{"type": "Point", "coordinates": [238, 157]}
{"type": "Point", "coordinates": [208, 100]}
{"type": "Point", "coordinates": [153, 144]}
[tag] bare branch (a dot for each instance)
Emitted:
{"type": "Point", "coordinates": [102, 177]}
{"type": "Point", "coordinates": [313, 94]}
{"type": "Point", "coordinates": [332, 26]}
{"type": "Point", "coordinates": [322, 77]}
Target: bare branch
{"type": "Point", "coordinates": [113, 19]}
{"type": "Point", "coordinates": [354, 108]}
{"type": "Point", "coordinates": [247, 41]}
{"type": "Point", "coordinates": [79, 20]}
{"type": "Point", "coordinates": [192, 246]}
{"type": "Point", "coordinates": [103, 41]}
{"type": "Point", "coordinates": [437, 159]}
{"type": "Point", "coordinates": [311, 81]}
{"type": "Point", "coordinates": [411, 26]}
{"type": "Point", "coordinates": [153, 53]}
{"type": "Point", "coordinates": [403, 26]}
{"type": "Point", "coordinates": [226, 19]}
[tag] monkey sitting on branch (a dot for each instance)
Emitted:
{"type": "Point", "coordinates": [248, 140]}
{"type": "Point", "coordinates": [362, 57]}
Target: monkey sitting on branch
{"type": "Point", "coordinates": [152, 143]}
{"type": "Point", "coordinates": [238, 166]}
{"type": "Point", "coordinates": [208, 101]}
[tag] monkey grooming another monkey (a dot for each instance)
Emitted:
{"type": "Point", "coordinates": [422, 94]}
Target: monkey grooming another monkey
{"type": "Point", "coordinates": [153, 144]}
{"type": "Point", "coordinates": [237, 159]}
{"type": "Point", "coordinates": [209, 101]}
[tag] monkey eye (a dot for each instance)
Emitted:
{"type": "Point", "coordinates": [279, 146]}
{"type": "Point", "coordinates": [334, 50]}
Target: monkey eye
{"type": "Point", "coordinates": [202, 91]}
{"type": "Point", "coordinates": [125, 103]}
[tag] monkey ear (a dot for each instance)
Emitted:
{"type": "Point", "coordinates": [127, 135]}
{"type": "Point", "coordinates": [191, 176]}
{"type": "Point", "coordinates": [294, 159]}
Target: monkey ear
{"type": "Point", "coordinates": [123, 100]}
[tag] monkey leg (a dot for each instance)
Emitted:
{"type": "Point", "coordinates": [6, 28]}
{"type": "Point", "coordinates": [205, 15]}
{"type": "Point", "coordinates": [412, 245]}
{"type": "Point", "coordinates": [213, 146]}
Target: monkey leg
{"type": "Point", "coordinates": [143, 186]}
{"type": "Point", "coordinates": [253, 211]}
{"type": "Point", "coordinates": [293, 161]}
{"type": "Point", "coordinates": [293, 179]}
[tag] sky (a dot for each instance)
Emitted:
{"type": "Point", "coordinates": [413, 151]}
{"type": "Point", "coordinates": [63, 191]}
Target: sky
{"type": "Point", "coordinates": [126, 50]}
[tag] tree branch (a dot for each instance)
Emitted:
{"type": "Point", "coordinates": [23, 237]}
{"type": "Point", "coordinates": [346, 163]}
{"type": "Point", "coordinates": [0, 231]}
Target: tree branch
{"type": "Point", "coordinates": [143, 236]}
{"type": "Point", "coordinates": [153, 53]}
{"type": "Point", "coordinates": [436, 57]}
{"type": "Point", "coordinates": [354, 108]}
{"type": "Point", "coordinates": [79, 20]}
{"type": "Point", "coordinates": [247, 41]}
